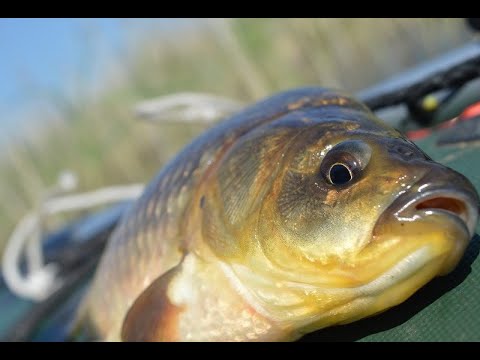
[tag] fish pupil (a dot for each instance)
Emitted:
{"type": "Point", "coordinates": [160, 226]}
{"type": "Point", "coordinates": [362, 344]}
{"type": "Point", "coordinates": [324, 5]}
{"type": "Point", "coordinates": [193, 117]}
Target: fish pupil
{"type": "Point", "coordinates": [340, 174]}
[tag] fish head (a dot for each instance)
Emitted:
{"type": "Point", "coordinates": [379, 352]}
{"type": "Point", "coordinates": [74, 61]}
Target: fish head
{"type": "Point", "coordinates": [336, 220]}
{"type": "Point", "coordinates": [370, 201]}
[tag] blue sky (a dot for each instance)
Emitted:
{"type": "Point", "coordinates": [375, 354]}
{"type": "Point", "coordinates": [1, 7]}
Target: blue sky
{"type": "Point", "coordinates": [40, 57]}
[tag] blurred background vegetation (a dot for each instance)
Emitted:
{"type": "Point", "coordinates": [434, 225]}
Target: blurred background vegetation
{"type": "Point", "coordinates": [98, 137]}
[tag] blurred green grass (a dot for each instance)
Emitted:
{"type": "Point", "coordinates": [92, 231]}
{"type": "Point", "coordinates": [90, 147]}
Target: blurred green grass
{"type": "Point", "coordinates": [100, 140]}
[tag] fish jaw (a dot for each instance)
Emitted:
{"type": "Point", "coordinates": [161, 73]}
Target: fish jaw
{"type": "Point", "coordinates": [388, 290]}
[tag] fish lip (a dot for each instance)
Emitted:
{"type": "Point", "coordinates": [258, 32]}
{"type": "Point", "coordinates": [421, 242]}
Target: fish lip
{"type": "Point", "coordinates": [404, 207]}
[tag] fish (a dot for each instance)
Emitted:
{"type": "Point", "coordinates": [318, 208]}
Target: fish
{"type": "Point", "coordinates": [300, 212]}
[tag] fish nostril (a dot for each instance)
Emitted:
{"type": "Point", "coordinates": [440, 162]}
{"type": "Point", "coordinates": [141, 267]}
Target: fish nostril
{"type": "Point", "coordinates": [456, 206]}
{"type": "Point", "coordinates": [406, 152]}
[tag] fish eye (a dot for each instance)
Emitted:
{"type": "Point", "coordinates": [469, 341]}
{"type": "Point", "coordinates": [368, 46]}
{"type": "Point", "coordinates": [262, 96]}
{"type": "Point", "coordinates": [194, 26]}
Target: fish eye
{"type": "Point", "coordinates": [345, 162]}
{"type": "Point", "coordinates": [339, 174]}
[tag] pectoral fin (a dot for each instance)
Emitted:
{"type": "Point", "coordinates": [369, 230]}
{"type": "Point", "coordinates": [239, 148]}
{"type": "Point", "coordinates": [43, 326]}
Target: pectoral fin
{"type": "Point", "coordinates": [153, 317]}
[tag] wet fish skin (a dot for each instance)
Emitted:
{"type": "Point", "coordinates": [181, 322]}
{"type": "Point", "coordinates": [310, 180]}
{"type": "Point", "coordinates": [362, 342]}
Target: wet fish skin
{"type": "Point", "coordinates": [243, 236]}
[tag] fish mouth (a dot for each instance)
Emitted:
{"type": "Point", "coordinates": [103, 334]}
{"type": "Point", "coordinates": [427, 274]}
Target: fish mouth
{"type": "Point", "coordinates": [458, 206]}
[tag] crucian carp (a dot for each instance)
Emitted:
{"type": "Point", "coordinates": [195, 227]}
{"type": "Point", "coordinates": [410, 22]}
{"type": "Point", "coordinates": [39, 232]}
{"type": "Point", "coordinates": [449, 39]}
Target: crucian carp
{"type": "Point", "coordinates": [300, 212]}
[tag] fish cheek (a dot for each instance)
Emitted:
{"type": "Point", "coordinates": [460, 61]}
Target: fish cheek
{"type": "Point", "coordinates": [299, 224]}
{"type": "Point", "coordinates": [303, 204]}
{"type": "Point", "coordinates": [318, 221]}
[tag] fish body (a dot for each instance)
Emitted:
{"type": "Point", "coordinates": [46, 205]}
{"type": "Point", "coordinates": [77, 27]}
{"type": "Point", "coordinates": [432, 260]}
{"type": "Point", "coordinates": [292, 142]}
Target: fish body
{"type": "Point", "coordinates": [301, 212]}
